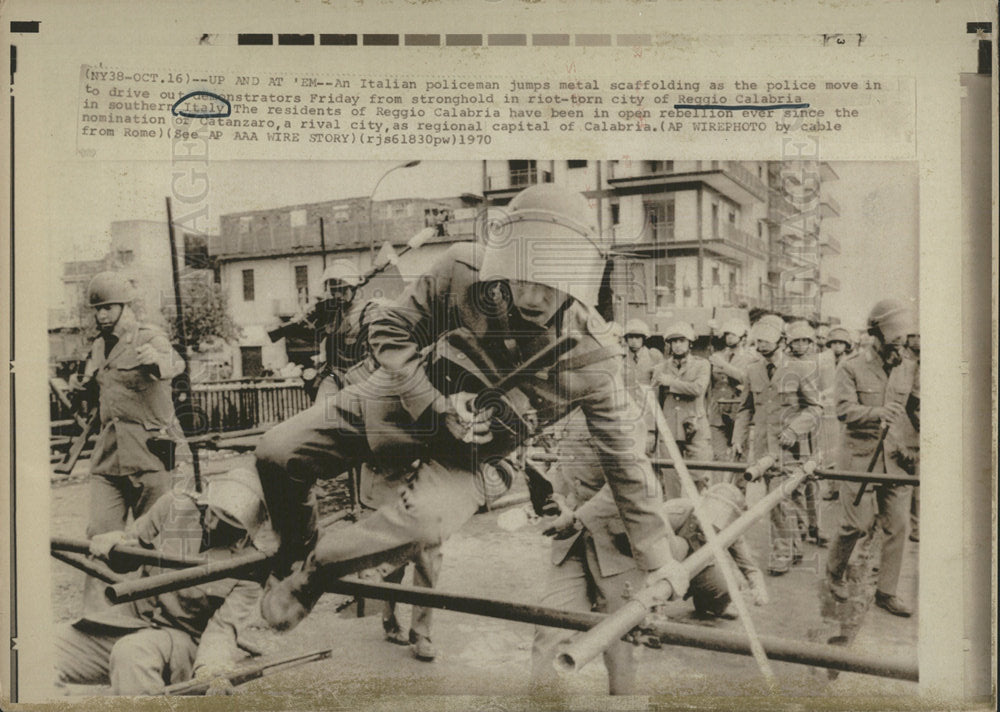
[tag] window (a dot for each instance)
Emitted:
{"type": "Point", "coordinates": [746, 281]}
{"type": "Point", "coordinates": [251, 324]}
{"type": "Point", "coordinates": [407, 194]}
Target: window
{"type": "Point", "coordinates": [341, 215]}
{"type": "Point", "coordinates": [245, 223]}
{"type": "Point", "coordinates": [126, 256]}
{"type": "Point", "coordinates": [251, 358]}
{"type": "Point", "coordinates": [523, 173]}
{"type": "Point", "coordinates": [715, 277]}
{"type": "Point", "coordinates": [760, 228]}
{"type": "Point", "coordinates": [576, 164]}
{"type": "Point", "coordinates": [248, 285]}
{"type": "Point", "coordinates": [715, 220]}
{"type": "Point", "coordinates": [660, 166]}
{"type": "Point", "coordinates": [302, 283]}
{"type": "Point", "coordinates": [616, 214]}
{"type": "Point", "coordinates": [298, 218]}
{"type": "Point", "coordinates": [666, 275]}
{"type": "Point", "coordinates": [660, 218]}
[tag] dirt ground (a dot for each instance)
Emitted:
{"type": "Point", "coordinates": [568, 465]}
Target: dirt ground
{"type": "Point", "coordinates": [483, 656]}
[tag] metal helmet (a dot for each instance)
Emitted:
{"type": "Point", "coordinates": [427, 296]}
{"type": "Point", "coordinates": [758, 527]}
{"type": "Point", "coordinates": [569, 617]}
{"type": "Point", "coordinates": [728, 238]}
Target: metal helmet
{"type": "Point", "coordinates": [769, 327]}
{"type": "Point", "coordinates": [678, 330]}
{"type": "Point", "coordinates": [342, 271]}
{"type": "Point", "coordinates": [800, 330]}
{"type": "Point", "coordinates": [546, 236]}
{"type": "Point", "coordinates": [238, 499]}
{"type": "Point", "coordinates": [108, 288]}
{"type": "Point", "coordinates": [734, 326]}
{"type": "Point", "coordinates": [721, 504]}
{"type": "Point", "coordinates": [894, 320]}
{"type": "Point", "coordinates": [839, 333]}
{"type": "Point", "coordinates": [637, 327]}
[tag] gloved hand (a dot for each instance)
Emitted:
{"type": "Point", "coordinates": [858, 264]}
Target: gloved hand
{"type": "Point", "coordinates": [786, 438]}
{"type": "Point", "coordinates": [674, 573]}
{"type": "Point", "coordinates": [102, 544]}
{"type": "Point", "coordinates": [758, 591]}
{"type": "Point", "coordinates": [463, 422]}
{"type": "Point", "coordinates": [565, 524]}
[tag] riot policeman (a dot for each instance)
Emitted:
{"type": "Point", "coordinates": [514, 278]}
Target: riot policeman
{"type": "Point", "coordinates": [533, 283]}
{"type": "Point", "coordinates": [683, 380]}
{"type": "Point", "coordinates": [868, 415]}
{"type": "Point", "coordinates": [140, 439]}
{"type": "Point", "coordinates": [728, 373]}
{"type": "Point", "coordinates": [782, 402]}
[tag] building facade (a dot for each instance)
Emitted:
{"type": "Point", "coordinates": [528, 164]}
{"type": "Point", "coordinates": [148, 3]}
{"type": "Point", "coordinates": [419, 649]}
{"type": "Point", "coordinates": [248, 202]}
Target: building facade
{"type": "Point", "coordinates": [698, 240]}
{"type": "Point", "coordinates": [271, 262]}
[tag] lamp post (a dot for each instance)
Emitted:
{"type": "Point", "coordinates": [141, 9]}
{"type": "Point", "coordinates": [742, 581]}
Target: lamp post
{"type": "Point", "coordinates": [371, 204]}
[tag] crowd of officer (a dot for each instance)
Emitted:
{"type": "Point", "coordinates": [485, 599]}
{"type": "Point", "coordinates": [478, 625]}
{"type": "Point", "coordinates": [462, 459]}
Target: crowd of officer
{"type": "Point", "coordinates": [793, 392]}
{"type": "Point", "coordinates": [431, 449]}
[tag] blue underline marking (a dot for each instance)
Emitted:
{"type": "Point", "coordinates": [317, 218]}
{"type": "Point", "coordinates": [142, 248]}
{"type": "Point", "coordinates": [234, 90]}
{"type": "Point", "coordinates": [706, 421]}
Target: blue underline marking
{"type": "Point", "coordinates": [198, 115]}
{"type": "Point", "coordinates": [746, 107]}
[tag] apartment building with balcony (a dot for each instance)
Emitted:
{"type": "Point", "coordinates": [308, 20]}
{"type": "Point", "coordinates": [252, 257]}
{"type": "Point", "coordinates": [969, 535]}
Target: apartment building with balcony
{"type": "Point", "coordinates": [695, 239]}
{"type": "Point", "coordinates": [800, 206]}
{"type": "Point", "coordinates": [271, 261]}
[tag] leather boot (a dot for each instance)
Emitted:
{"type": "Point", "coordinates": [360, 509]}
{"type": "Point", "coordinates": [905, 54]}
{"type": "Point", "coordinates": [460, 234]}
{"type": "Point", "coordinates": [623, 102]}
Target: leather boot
{"type": "Point", "coordinates": [287, 601]}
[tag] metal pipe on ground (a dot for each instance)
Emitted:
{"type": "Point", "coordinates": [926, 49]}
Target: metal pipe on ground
{"type": "Point", "coordinates": [779, 649]}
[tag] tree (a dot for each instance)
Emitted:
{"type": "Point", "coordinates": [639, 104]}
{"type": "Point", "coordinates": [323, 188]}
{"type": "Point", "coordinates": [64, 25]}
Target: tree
{"type": "Point", "coordinates": [206, 314]}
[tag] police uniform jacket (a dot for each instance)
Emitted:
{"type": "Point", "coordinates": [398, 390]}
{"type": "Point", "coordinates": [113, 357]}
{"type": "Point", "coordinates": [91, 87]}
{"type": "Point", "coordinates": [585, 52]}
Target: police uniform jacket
{"type": "Point", "coordinates": [684, 400]}
{"type": "Point", "coordinates": [214, 614]}
{"type": "Point", "coordinates": [588, 377]}
{"type": "Point", "coordinates": [135, 400]}
{"type": "Point", "coordinates": [728, 374]}
{"type": "Point", "coordinates": [859, 388]}
{"type": "Point", "coordinates": [902, 442]}
{"type": "Point", "coordinates": [789, 399]}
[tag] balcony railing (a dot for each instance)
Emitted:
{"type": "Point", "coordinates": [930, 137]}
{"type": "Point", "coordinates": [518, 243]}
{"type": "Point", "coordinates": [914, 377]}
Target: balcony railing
{"type": "Point", "coordinates": [742, 176]}
{"type": "Point", "coordinates": [733, 235]}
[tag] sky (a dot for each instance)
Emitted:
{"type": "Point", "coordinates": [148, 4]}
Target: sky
{"type": "Point", "coordinates": [877, 227]}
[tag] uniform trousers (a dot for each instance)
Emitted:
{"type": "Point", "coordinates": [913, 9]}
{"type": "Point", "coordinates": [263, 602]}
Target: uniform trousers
{"type": "Point", "coordinates": [134, 662]}
{"type": "Point", "coordinates": [112, 497]}
{"type": "Point", "coordinates": [431, 503]}
{"type": "Point", "coordinates": [888, 506]}
{"type": "Point", "coordinates": [787, 520]}
{"type": "Point", "coordinates": [577, 585]}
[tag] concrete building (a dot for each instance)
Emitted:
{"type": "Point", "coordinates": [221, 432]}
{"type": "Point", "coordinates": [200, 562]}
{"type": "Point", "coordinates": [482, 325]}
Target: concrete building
{"type": "Point", "coordinates": [696, 240]}
{"type": "Point", "coordinates": [271, 261]}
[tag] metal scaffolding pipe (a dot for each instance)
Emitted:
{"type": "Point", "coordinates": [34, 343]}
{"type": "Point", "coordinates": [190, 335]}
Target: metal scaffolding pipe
{"type": "Point", "coordinates": [790, 651]}
{"type": "Point", "coordinates": [844, 475]}
{"type": "Point", "coordinates": [125, 557]}
{"type": "Point", "coordinates": [251, 566]}
{"type": "Point", "coordinates": [588, 646]}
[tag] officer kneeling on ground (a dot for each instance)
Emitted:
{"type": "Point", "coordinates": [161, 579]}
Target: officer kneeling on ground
{"type": "Point", "coordinates": [142, 646]}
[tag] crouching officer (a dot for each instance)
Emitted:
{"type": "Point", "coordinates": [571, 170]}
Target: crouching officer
{"type": "Point", "coordinates": [506, 302]}
{"type": "Point", "coordinates": [142, 646]}
{"type": "Point", "coordinates": [683, 380]}
{"type": "Point", "coordinates": [721, 504]}
{"type": "Point", "coordinates": [782, 403]}
{"type": "Point", "coordinates": [140, 440]}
